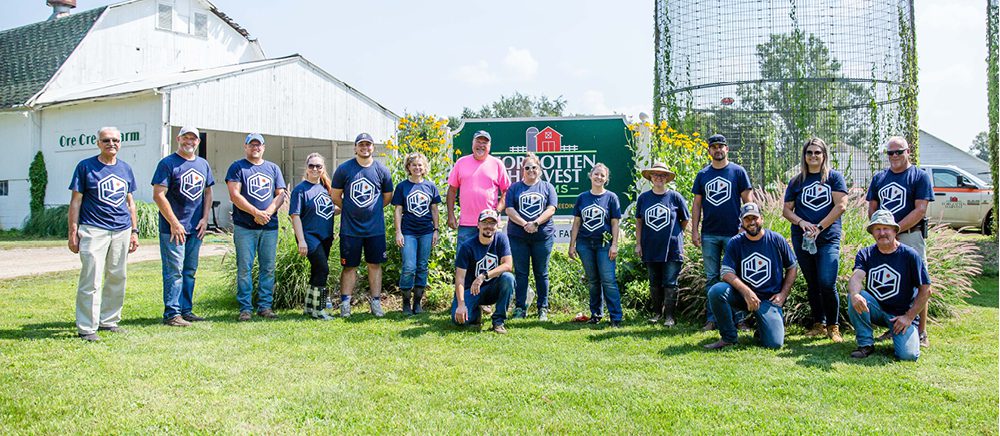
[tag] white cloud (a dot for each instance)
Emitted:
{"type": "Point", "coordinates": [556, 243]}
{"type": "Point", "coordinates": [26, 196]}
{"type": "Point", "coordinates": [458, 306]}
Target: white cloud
{"type": "Point", "coordinates": [520, 65]}
{"type": "Point", "coordinates": [593, 103]}
{"type": "Point", "coordinates": [477, 74]}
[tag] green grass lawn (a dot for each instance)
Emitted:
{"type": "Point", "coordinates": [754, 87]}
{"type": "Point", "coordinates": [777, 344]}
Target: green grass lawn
{"type": "Point", "coordinates": [421, 375]}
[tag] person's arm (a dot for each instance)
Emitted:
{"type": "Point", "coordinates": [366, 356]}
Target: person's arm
{"type": "Point", "coordinates": [73, 223]}
{"type": "Point", "coordinates": [300, 235]}
{"type": "Point", "coordinates": [207, 209]}
{"type": "Point", "coordinates": [572, 237]}
{"type": "Point", "coordinates": [279, 199]}
{"type": "Point", "coordinates": [337, 196]}
{"type": "Point", "coordinates": [133, 241]}
{"type": "Point", "coordinates": [398, 221]}
{"type": "Point", "coordinates": [872, 207]}
{"type": "Point", "coordinates": [613, 250]}
{"type": "Point", "coordinates": [461, 313]}
{"type": "Point", "coordinates": [747, 196]}
{"type": "Point", "coordinates": [177, 231]}
{"type": "Point", "coordinates": [546, 215]}
{"type": "Point", "coordinates": [436, 219]}
{"type": "Point", "coordinates": [786, 286]}
{"type": "Point", "coordinates": [753, 303]}
{"type": "Point", "coordinates": [502, 202]}
{"type": "Point", "coordinates": [515, 218]}
{"type": "Point", "coordinates": [839, 207]}
{"type": "Point", "coordinates": [901, 323]}
{"type": "Point", "coordinates": [915, 216]}
{"type": "Point", "coordinates": [789, 214]}
{"type": "Point", "coordinates": [450, 200]}
{"type": "Point", "coordinates": [386, 198]}
{"type": "Point", "coordinates": [696, 220]}
{"type": "Point", "coordinates": [638, 235]}
{"type": "Point", "coordinates": [239, 201]}
{"type": "Point", "coordinates": [506, 265]}
{"type": "Point", "coordinates": [854, 287]}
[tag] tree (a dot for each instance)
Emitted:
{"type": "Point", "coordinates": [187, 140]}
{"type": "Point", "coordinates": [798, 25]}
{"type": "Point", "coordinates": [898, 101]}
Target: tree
{"type": "Point", "coordinates": [519, 106]}
{"type": "Point", "coordinates": [981, 147]}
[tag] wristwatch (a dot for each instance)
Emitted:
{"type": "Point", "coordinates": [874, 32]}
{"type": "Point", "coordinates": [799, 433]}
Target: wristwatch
{"type": "Point", "coordinates": [820, 227]}
{"type": "Point", "coordinates": [135, 230]}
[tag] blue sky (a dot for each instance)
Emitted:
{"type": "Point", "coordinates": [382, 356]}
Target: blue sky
{"type": "Point", "coordinates": [440, 56]}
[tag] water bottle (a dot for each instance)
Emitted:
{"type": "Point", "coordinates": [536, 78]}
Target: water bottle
{"type": "Point", "coordinates": [809, 243]}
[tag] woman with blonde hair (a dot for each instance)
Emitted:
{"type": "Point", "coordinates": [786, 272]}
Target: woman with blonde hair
{"type": "Point", "coordinates": [312, 211]}
{"type": "Point", "coordinates": [416, 216]}
{"type": "Point", "coordinates": [530, 204]}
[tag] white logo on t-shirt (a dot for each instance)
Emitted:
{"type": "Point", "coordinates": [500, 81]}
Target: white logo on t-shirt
{"type": "Point", "coordinates": [323, 205]}
{"type": "Point", "coordinates": [657, 217]}
{"type": "Point", "coordinates": [487, 263]}
{"type": "Point", "coordinates": [363, 193]}
{"type": "Point", "coordinates": [892, 197]}
{"type": "Point", "coordinates": [883, 282]}
{"type": "Point", "coordinates": [192, 184]}
{"type": "Point", "coordinates": [112, 190]}
{"type": "Point", "coordinates": [592, 217]}
{"type": "Point", "coordinates": [756, 269]}
{"type": "Point", "coordinates": [260, 186]}
{"type": "Point", "coordinates": [816, 196]}
{"type": "Point", "coordinates": [718, 190]}
{"type": "Point", "coordinates": [418, 202]}
{"type": "Point", "coordinates": [531, 205]}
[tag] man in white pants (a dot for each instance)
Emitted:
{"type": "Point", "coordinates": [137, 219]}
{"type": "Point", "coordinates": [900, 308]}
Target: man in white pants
{"type": "Point", "coordinates": [102, 229]}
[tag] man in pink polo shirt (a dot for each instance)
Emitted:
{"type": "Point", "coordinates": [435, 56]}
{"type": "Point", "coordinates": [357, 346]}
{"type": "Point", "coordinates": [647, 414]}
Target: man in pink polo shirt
{"type": "Point", "coordinates": [483, 181]}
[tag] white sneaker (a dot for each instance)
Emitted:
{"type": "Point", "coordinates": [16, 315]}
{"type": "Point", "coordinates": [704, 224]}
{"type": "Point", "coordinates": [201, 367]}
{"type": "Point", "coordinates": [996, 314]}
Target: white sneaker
{"type": "Point", "coordinates": [376, 306]}
{"type": "Point", "coordinates": [345, 308]}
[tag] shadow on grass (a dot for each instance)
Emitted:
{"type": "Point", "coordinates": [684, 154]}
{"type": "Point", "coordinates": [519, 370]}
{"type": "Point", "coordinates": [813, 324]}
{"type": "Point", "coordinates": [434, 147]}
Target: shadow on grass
{"type": "Point", "coordinates": [988, 292]}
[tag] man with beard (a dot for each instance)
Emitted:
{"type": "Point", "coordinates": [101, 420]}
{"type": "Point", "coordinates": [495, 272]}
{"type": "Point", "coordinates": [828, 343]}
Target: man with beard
{"type": "Point", "coordinates": [483, 182]}
{"type": "Point", "coordinates": [182, 190]}
{"type": "Point", "coordinates": [889, 287]}
{"type": "Point", "coordinates": [718, 190]}
{"type": "Point", "coordinates": [482, 275]}
{"type": "Point", "coordinates": [757, 274]}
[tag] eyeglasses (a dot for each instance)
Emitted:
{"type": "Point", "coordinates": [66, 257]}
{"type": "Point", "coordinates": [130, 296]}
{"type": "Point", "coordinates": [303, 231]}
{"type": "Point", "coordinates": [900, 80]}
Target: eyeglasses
{"type": "Point", "coordinates": [814, 153]}
{"type": "Point", "coordinates": [315, 166]}
{"type": "Point", "coordinates": [531, 167]}
{"type": "Point", "coordinates": [110, 140]}
{"type": "Point", "coordinates": [896, 152]}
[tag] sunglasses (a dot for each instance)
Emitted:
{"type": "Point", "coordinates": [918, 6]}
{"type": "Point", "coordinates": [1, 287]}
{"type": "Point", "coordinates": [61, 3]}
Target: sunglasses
{"type": "Point", "coordinates": [315, 166]}
{"type": "Point", "coordinates": [110, 140]}
{"type": "Point", "coordinates": [814, 153]}
{"type": "Point", "coordinates": [531, 167]}
{"type": "Point", "coordinates": [896, 152]}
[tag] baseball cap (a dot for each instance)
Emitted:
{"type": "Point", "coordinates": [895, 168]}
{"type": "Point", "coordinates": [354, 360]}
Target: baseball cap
{"type": "Point", "coordinates": [882, 217]}
{"type": "Point", "coordinates": [481, 133]}
{"type": "Point", "coordinates": [185, 130]}
{"type": "Point", "coordinates": [489, 214]}
{"type": "Point", "coordinates": [363, 137]}
{"type": "Point", "coordinates": [717, 139]}
{"type": "Point", "coordinates": [750, 209]}
{"type": "Point", "coordinates": [256, 136]}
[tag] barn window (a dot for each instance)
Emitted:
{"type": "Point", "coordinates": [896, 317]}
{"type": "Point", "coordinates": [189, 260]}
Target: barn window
{"type": "Point", "coordinates": [200, 27]}
{"type": "Point", "coordinates": [3, 188]}
{"type": "Point", "coordinates": [165, 17]}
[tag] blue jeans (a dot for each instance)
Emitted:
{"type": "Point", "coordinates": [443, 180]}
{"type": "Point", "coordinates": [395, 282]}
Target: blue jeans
{"type": "Point", "coordinates": [600, 271]}
{"type": "Point", "coordinates": [179, 264]}
{"type": "Point", "coordinates": [905, 345]}
{"type": "Point", "coordinates": [262, 244]}
{"type": "Point", "coordinates": [415, 252]}
{"type": "Point", "coordinates": [536, 253]}
{"type": "Point", "coordinates": [663, 274]}
{"type": "Point", "coordinates": [723, 299]}
{"type": "Point", "coordinates": [465, 233]}
{"type": "Point", "coordinates": [712, 247]}
{"type": "Point", "coordinates": [497, 291]}
{"type": "Point", "coordinates": [820, 271]}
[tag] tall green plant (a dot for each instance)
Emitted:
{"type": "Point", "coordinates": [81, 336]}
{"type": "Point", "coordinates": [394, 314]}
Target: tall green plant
{"type": "Point", "coordinates": [39, 179]}
{"type": "Point", "coordinates": [993, 105]}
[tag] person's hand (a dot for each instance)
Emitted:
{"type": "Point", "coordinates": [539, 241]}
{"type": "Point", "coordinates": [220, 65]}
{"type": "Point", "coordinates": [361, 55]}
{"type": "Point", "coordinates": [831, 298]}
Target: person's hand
{"type": "Point", "coordinates": [613, 251]}
{"type": "Point", "coordinates": [777, 299]}
{"type": "Point", "coordinates": [452, 222]}
{"type": "Point", "coordinates": [202, 227]}
{"type": "Point", "coordinates": [477, 284]}
{"type": "Point", "coordinates": [177, 233]}
{"type": "Point", "coordinates": [900, 323]}
{"type": "Point", "coordinates": [638, 250]}
{"type": "Point", "coordinates": [808, 227]}
{"type": "Point", "coordinates": [261, 217]}
{"type": "Point", "coordinates": [696, 238]}
{"type": "Point", "coordinates": [434, 238]}
{"type": "Point", "coordinates": [461, 313]}
{"type": "Point", "coordinates": [572, 251]}
{"type": "Point", "coordinates": [530, 227]}
{"type": "Point", "coordinates": [303, 249]}
{"type": "Point", "coordinates": [753, 303]}
{"type": "Point", "coordinates": [859, 303]}
{"type": "Point", "coordinates": [74, 243]}
{"type": "Point", "coordinates": [133, 243]}
{"type": "Point", "coordinates": [400, 240]}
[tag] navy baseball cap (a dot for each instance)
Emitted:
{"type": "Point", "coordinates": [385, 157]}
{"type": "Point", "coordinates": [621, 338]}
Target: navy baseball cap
{"type": "Point", "coordinates": [717, 139]}
{"type": "Point", "coordinates": [482, 133]}
{"type": "Point", "coordinates": [363, 137]}
{"type": "Point", "coordinates": [254, 136]}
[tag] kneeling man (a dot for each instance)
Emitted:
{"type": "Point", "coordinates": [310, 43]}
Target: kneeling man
{"type": "Point", "coordinates": [889, 287]}
{"type": "Point", "coordinates": [758, 270]}
{"type": "Point", "coordinates": [482, 275]}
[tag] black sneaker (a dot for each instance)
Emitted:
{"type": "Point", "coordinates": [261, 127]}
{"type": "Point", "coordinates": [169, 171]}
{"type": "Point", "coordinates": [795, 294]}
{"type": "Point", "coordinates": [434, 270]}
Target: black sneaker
{"type": "Point", "coordinates": [90, 337]}
{"type": "Point", "coordinates": [191, 317]}
{"type": "Point", "coordinates": [863, 352]}
{"type": "Point", "coordinates": [594, 320]}
{"type": "Point", "coordinates": [616, 324]}
{"type": "Point", "coordinates": [113, 329]}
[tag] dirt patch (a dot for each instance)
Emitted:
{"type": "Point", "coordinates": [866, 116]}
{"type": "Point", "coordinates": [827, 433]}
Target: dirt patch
{"type": "Point", "coordinates": [20, 262]}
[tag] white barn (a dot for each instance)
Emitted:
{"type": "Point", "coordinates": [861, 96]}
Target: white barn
{"type": "Point", "coordinates": [150, 67]}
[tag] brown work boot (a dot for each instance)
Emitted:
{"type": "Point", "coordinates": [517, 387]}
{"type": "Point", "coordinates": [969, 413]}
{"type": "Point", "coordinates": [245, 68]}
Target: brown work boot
{"type": "Point", "coordinates": [719, 345]}
{"type": "Point", "coordinates": [709, 326]}
{"type": "Point", "coordinates": [818, 329]}
{"type": "Point", "coordinates": [267, 313]}
{"type": "Point", "coordinates": [833, 332]}
{"type": "Point", "coordinates": [177, 321]}
{"type": "Point", "coordinates": [245, 316]}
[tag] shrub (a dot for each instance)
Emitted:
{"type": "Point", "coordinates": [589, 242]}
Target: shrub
{"type": "Point", "coordinates": [39, 179]}
{"type": "Point", "coordinates": [50, 222]}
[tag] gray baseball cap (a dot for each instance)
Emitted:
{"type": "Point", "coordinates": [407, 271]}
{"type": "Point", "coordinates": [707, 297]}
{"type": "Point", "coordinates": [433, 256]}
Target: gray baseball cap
{"type": "Point", "coordinates": [882, 217]}
{"type": "Point", "coordinates": [750, 209]}
{"type": "Point", "coordinates": [482, 133]}
{"type": "Point", "coordinates": [186, 129]}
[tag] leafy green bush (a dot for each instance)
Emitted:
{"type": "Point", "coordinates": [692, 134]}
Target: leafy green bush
{"type": "Point", "coordinates": [39, 179]}
{"type": "Point", "coordinates": [148, 219]}
{"type": "Point", "coordinates": [50, 222]}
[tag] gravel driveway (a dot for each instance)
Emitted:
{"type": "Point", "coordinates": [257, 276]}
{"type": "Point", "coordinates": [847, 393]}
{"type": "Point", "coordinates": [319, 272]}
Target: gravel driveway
{"type": "Point", "coordinates": [20, 262]}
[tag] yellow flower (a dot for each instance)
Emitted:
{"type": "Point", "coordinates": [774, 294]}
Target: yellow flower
{"type": "Point", "coordinates": [435, 150]}
{"type": "Point", "coordinates": [458, 152]}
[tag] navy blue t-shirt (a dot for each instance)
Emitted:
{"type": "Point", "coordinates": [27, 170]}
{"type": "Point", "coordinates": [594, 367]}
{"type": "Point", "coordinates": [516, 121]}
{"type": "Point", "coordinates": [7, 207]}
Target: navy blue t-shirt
{"type": "Point", "coordinates": [257, 184]}
{"type": "Point", "coordinates": [186, 181]}
{"type": "Point", "coordinates": [595, 213]}
{"type": "Point", "coordinates": [892, 278]}
{"type": "Point", "coordinates": [476, 258]}
{"type": "Point", "coordinates": [662, 235]}
{"type": "Point", "coordinates": [898, 193]}
{"type": "Point", "coordinates": [105, 189]}
{"type": "Point", "coordinates": [720, 191]}
{"type": "Point", "coordinates": [760, 264]}
{"type": "Point", "coordinates": [814, 200]}
{"type": "Point", "coordinates": [315, 209]}
{"type": "Point", "coordinates": [417, 201]}
{"type": "Point", "coordinates": [363, 188]}
{"type": "Point", "coordinates": [530, 202]}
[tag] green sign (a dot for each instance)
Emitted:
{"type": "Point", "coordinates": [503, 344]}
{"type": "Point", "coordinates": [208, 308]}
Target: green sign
{"type": "Point", "coordinates": [567, 148]}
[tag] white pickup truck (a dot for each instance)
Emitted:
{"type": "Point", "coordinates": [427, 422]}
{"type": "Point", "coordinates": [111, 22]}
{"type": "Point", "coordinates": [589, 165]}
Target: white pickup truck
{"type": "Point", "coordinates": [960, 198]}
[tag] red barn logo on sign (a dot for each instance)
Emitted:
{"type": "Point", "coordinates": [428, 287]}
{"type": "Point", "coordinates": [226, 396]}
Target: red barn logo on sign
{"type": "Point", "coordinates": [548, 139]}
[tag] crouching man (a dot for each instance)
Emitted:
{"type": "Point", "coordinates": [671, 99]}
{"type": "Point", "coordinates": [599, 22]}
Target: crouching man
{"type": "Point", "coordinates": [889, 287]}
{"type": "Point", "coordinates": [482, 275]}
{"type": "Point", "coordinates": [758, 270]}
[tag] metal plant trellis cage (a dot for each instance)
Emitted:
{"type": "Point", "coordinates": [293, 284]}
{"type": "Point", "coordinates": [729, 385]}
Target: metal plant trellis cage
{"type": "Point", "coordinates": [770, 74]}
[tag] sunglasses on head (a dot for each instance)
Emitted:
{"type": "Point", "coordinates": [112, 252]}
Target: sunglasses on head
{"type": "Point", "coordinates": [315, 166]}
{"type": "Point", "coordinates": [896, 152]}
